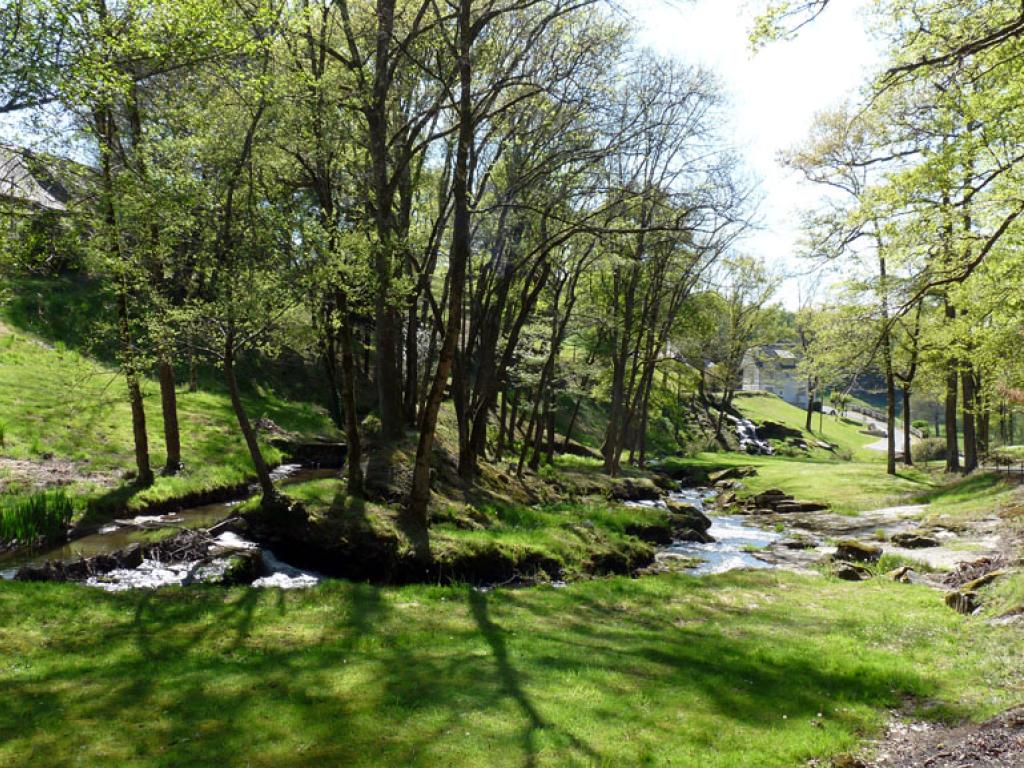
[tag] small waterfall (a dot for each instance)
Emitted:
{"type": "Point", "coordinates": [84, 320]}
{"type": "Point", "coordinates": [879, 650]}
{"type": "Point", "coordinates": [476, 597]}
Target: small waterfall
{"type": "Point", "coordinates": [746, 431]}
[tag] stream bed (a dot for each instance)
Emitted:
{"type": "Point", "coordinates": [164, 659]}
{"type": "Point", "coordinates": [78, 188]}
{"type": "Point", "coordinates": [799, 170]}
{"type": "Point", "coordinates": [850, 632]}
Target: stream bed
{"type": "Point", "coordinates": [144, 529]}
{"type": "Point", "coordinates": [736, 537]}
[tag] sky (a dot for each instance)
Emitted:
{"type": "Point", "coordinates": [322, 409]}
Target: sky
{"type": "Point", "coordinates": [773, 96]}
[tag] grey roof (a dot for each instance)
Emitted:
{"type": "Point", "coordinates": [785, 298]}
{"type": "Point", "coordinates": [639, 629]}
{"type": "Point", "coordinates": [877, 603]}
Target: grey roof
{"type": "Point", "coordinates": [24, 178]}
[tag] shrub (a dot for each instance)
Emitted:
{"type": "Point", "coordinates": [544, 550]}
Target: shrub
{"type": "Point", "coordinates": [929, 449]}
{"type": "Point", "coordinates": [923, 425]}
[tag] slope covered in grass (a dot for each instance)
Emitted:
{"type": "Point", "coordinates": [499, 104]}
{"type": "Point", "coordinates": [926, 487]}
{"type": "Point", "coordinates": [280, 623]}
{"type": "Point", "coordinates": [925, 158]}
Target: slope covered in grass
{"type": "Point", "coordinates": [65, 418]}
{"type": "Point", "coordinates": [847, 437]}
{"type": "Point", "coordinates": [751, 669]}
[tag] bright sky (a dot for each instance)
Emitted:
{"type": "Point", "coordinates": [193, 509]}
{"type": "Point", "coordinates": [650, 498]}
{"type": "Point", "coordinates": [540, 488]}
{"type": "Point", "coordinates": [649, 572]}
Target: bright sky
{"type": "Point", "coordinates": [774, 96]}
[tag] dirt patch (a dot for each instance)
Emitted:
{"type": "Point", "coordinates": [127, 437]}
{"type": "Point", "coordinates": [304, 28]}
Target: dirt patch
{"type": "Point", "coordinates": [49, 473]}
{"type": "Point", "coordinates": [997, 743]}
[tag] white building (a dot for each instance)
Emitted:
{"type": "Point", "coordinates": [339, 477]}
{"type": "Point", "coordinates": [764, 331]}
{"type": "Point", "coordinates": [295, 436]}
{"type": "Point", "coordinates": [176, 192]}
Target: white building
{"type": "Point", "coordinates": [773, 368]}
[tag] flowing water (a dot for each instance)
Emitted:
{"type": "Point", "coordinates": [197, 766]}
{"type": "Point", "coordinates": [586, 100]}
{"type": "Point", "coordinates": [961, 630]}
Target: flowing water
{"type": "Point", "coordinates": [735, 538]}
{"type": "Point", "coordinates": [145, 528]}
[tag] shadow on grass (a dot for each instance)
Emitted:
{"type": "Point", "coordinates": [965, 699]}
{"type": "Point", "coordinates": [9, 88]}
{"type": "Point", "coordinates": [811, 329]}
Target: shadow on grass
{"type": "Point", "coordinates": [975, 486]}
{"type": "Point", "coordinates": [352, 674]}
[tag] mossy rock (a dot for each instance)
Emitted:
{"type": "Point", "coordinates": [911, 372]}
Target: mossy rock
{"type": "Point", "coordinates": [852, 551]}
{"type": "Point", "coordinates": [634, 489]}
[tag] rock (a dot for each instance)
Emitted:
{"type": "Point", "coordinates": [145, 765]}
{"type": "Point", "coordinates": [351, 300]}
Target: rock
{"type": "Point", "coordinates": [825, 446]}
{"type": "Point", "coordinates": [914, 540]}
{"type": "Point", "coordinates": [635, 489]}
{"type": "Point", "coordinates": [774, 430]}
{"type": "Point", "coordinates": [850, 572]}
{"type": "Point", "coordinates": [696, 537]}
{"type": "Point", "coordinates": [963, 602]}
{"type": "Point", "coordinates": [853, 551]}
{"type": "Point", "coordinates": [771, 497]}
{"type": "Point", "coordinates": [796, 542]}
{"type": "Point", "coordinates": [726, 499]}
{"type": "Point", "coordinates": [732, 473]}
{"type": "Point", "coordinates": [789, 507]}
{"type": "Point", "coordinates": [982, 581]}
{"type": "Point", "coordinates": [664, 482]}
{"type": "Point", "coordinates": [901, 574]}
{"type": "Point", "coordinates": [687, 516]}
{"type": "Point", "coordinates": [243, 568]}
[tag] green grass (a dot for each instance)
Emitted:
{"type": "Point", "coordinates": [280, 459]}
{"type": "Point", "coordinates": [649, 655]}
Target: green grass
{"type": "Point", "coordinates": [57, 405]}
{"type": "Point", "coordinates": [982, 494]}
{"type": "Point", "coordinates": [849, 487]}
{"type": "Point", "coordinates": [729, 671]}
{"type": "Point", "coordinates": [847, 437]}
{"type": "Point", "coordinates": [580, 538]}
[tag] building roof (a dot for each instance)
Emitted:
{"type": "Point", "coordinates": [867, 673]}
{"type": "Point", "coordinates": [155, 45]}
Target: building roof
{"type": "Point", "coordinates": [29, 179]}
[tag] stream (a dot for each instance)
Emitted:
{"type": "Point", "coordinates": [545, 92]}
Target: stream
{"type": "Point", "coordinates": [143, 529]}
{"type": "Point", "coordinates": [735, 538]}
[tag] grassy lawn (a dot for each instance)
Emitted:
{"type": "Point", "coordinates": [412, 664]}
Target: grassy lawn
{"type": "Point", "coordinates": [56, 405]}
{"type": "Point", "coordinates": [760, 407]}
{"type": "Point", "coordinates": [751, 669]}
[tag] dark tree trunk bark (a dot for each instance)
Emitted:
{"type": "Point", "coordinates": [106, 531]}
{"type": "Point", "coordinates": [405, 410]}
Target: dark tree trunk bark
{"type": "Point", "coordinates": [967, 410]}
{"type": "Point", "coordinates": [908, 458]}
{"type": "Point", "coordinates": [169, 407]}
{"type": "Point", "coordinates": [248, 433]}
{"type": "Point", "coordinates": [419, 496]}
{"type": "Point", "coordinates": [348, 395]}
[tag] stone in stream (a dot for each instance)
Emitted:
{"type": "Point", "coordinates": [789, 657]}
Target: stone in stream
{"type": "Point", "coordinates": [771, 497]}
{"type": "Point", "coordinates": [789, 507]}
{"type": "Point", "coordinates": [852, 551]}
{"type": "Point", "coordinates": [688, 516]}
{"type": "Point", "coordinates": [80, 570]}
{"type": "Point", "coordinates": [914, 540]}
{"type": "Point", "coordinates": [634, 489]}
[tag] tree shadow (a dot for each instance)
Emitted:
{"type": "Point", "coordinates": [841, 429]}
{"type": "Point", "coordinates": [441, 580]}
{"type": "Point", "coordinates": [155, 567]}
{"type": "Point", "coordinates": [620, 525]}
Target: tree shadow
{"type": "Point", "coordinates": [510, 682]}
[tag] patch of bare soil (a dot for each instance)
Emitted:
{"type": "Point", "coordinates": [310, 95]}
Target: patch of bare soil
{"type": "Point", "coordinates": [48, 473]}
{"type": "Point", "coordinates": [997, 743]}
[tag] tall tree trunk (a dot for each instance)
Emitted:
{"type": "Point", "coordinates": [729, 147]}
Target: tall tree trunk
{"type": "Point", "coordinates": [908, 458]}
{"type": "Point", "coordinates": [248, 433]}
{"type": "Point", "coordinates": [809, 416]}
{"type": "Point", "coordinates": [952, 443]}
{"type": "Point", "coordinates": [419, 496]}
{"type": "Point", "coordinates": [967, 410]}
{"type": "Point", "coordinates": [354, 456]}
{"type": "Point", "coordinates": [105, 129]}
{"type": "Point", "coordinates": [169, 407]}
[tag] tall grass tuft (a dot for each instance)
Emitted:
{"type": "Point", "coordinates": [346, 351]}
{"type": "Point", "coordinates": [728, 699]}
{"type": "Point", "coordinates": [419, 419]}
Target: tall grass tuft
{"type": "Point", "coordinates": [27, 518]}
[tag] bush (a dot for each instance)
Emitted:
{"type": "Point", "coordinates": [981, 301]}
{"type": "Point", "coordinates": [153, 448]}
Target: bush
{"type": "Point", "coordinates": [929, 449]}
{"type": "Point", "coordinates": [923, 425]}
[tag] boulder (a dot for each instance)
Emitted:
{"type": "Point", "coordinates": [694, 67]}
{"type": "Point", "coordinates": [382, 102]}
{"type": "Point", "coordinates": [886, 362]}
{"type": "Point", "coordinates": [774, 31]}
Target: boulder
{"type": "Point", "coordinates": [902, 574]}
{"type": "Point", "coordinates": [774, 430]}
{"type": "Point", "coordinates": [634, 489]}
{"type": "Point", "coordinates": [687, 516]}
{"type": "Point", "coordinates": [771, 497]}
{"type": "Point", "coordinates": [850, 572]}
{"type": "Point", "coordinates": [694, 536]}
{"type": "Point", "coordinates": [851, 551]}
{"type": "Point", "coordinates": [787, 507]}
{"type": "Point", "coordinates": [797, 542]}
{"type": "Point", "coordinates": [914, 540]}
